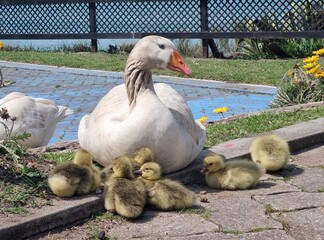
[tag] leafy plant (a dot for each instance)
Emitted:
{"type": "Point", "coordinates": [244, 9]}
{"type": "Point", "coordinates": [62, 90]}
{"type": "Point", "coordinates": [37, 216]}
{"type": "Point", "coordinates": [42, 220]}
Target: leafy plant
{"type": "Point", "coordinates": [9, 143]}
{"type": "Point", "coordinates": [298, 86]}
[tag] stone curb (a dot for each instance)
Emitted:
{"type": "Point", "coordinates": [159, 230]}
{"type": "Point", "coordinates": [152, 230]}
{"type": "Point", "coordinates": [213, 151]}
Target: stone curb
{"type": "Point", "coordinates": [50, 217]}
{"type": "Point", "coordinates": [299, 136]}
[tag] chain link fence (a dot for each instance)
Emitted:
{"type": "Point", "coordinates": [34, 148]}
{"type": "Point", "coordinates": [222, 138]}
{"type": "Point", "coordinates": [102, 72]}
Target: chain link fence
{"type": "Point", "coordinates": [202, 19]}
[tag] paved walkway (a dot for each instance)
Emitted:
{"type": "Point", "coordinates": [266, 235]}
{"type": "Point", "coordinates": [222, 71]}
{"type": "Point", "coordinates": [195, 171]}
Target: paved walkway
{"type": "Point", "coordinates": [81, 90]}
{"type": "Point", "coordinates": [285, 205]}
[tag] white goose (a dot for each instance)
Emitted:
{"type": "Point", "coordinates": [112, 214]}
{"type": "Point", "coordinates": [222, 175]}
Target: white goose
{"type": "Point", "coordinates": [141, 114]}
{"type": "Point", "coordinates": [37, 116]}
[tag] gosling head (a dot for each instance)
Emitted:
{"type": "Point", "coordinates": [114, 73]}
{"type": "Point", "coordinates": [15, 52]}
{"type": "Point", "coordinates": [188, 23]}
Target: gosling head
{"type": "Point", "coordinates": [143, 155]}
{"type": "Point", "coordinates": [213, 163]}
{"type": "Point", "coordinates": [122, 167]}
{"type": "Point", "coordinates": [150, 171]}
{"type": "Point", "coordinates": [82, 157]}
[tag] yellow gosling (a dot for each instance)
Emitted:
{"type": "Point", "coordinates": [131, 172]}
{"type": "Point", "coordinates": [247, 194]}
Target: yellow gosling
{"type": "Point", "coordinates": [123, 193]}
{"type": "Point", "coordinates": [234, 174]}
{"type": "Point", "coordinates": [165, 194]}
{"type": "Point", "coordinates": [271, 151]}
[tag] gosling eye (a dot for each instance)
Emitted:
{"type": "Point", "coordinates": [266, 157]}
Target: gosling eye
{"type": "Point", "coordinates": [210, 164]}
{"type": "Point", "coordinates": [161, 46]}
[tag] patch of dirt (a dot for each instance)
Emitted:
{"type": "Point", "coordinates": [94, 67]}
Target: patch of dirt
{"type": "Point", "coordinates": [26, 187]}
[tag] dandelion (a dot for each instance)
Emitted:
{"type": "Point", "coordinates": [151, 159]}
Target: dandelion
{"type": "Point", "coordinates": [1, 44]}
{"type": "Point", "coordinates": [319, 52]}
{"type": "Point", "coordinates": [221, 110]}
{"type": "Point", "coordinates": [311, 59]}
{"type": "Point", "coordinates": [290, 73]}
{"type": "Point", "coordinates": [203, 119]}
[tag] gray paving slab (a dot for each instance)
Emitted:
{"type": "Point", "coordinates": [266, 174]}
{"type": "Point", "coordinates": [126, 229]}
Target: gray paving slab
{"type": "Point", "coordinates": [304, 224]}
{"type": "Point", "coordinates": [292, 201]}
{"type": "Point", "coordinates": [82, 89]}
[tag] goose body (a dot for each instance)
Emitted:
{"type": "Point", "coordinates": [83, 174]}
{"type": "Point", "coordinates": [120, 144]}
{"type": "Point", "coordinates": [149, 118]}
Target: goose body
{"type": "Point", "coordinates": [36, 116]}
{"type": "Point", "coordinates": [138, 113]}
{"type": "Point", "coordinates": [271, 151]}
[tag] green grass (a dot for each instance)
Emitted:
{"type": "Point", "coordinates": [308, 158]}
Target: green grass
{"type": "Point", "coordinates": [266, 72]}
{"type": "Point", "coordinates": [245, 127]}
{"type": "Point", "coordinates": [59, 157]}
{"type": "Point", "coordinates": [269, 209]}
{"type": "Point", "coordinates": [203, 212]}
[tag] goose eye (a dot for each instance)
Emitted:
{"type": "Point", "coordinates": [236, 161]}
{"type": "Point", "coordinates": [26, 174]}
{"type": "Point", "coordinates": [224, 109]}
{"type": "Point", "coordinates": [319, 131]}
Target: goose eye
{"type": "Point", "coordinates": [161, 46]}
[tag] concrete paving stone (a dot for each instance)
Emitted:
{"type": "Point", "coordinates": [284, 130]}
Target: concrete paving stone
{"type": "Point", "coordinates": [292, 200]}
{"type": "Point", "coordinates": [232, 209]}
{"type": "Point", "coordinates": [307, 224]}
{"type": "Point", "coordinates": [309, 158]}
{"type": "Point", "coordinates": [159, 225]}
{"type": "Point", "coordinates": [260, 235]}
{"type": "Point", "coordinates": [310, 180]}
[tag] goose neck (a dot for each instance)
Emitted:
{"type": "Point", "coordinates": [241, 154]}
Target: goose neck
{"type": "Point", "coordinates": [137, 80]}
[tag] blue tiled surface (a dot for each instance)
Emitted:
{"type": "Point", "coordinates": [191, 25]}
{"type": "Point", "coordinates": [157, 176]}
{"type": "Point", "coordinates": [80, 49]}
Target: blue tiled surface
{"type": "Point", "coordinates": [81, 90]}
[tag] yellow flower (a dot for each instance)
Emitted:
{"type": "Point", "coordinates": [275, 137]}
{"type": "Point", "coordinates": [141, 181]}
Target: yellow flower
{"type": "Point", "coordinates": [1, 44]}
{"type": "Point", "coordinates": [319, 74]}
{"type": "Point", "coordinates": [311, 59]}
{"type": "Point", "coordinates": [314, 69]}
{"type": "Point", "coordinates": [319, 52]}
{"type": "Point", "coordinates": [290, 73]}
{"type": "Point", "coordinates": [203, 119]}
{"type": "Point", "coordinates": [220, 110]}
{"type": "Point", "coordinates": [310, 65]}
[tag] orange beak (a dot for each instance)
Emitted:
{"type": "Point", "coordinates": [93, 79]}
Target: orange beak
{"type": "Point", "coordinates": [204, 170]}
{"type": "Point", "coordinates": [177, 63]}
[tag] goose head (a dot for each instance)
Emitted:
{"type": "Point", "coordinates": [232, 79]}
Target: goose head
{"type": "Point", "coordinates": [155, 52]}
{"type": "Point", "coordinates": [213, 163]}
{"type": "Point", "coordinates": [151, 52]}
{"type": "Point", "coordinates": [150, 171]}
{"type": "Point", "coordinates": [143, 155]}
{"type": "Point", "coordinates": [122, 167]}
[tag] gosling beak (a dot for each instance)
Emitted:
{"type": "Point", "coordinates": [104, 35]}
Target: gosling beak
{"type": "Point", "coordinates": [177, 63]}
{"type": "Point", "coordinates": [204, 170]}
{"type": "Point", "coordinates": [137, 172]}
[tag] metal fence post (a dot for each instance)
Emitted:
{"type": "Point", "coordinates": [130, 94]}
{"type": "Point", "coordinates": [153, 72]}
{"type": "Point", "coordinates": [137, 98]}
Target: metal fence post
{"type": "Point", "coordinates": [204, 25]}
{"type": "Point", "coordinates": [93, 27]}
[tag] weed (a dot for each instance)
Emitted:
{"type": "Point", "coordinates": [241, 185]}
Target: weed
{"type": "Point", "coordinates": [236, 232]}
{"type": "Point", "coordinates": [15, 210]}
{"type": "Point", "coordinates": [259, 229]}
{"type": "Point", "coordinates": [269, 209]}
{"type": "Point", "coordinates": [203, 212]}
{"type": "Point", "coordinates": [320, 190]}
{"type": "Point", "coordinates": [9, 142]}
{"type": "Point", "coordinates": [287, 178]}
{"type": "Point", "coordinates": [108, 216]}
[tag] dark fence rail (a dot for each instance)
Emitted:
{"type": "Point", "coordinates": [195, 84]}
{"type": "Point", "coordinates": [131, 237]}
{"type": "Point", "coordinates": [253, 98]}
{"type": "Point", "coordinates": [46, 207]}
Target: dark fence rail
{"type": "Point", "coordinates": [192, 19]}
